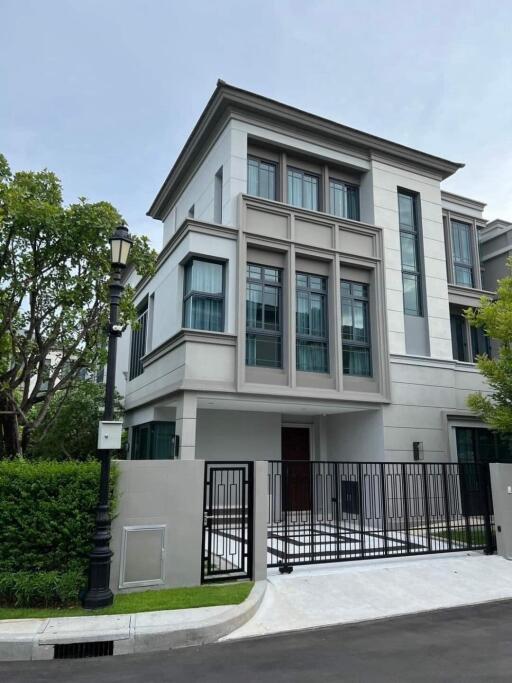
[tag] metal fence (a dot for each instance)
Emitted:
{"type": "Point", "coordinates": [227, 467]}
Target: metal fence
{"type": "Point", "coordinates": [335, 511]}
{"type": "Point", "coordinates": [227, 526]}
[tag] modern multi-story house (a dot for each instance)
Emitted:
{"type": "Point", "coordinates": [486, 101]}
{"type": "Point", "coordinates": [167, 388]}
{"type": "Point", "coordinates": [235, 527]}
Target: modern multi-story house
{"type": "Point", "coordinates": [308, 297]}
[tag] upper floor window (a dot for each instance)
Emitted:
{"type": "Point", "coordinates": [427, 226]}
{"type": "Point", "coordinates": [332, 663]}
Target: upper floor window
{"type": "Point", "coordinates": [139, 341]}
{"type": "Point", "coordinates": [312, 346]}
{"type": "Point", "coordinates": [355, 329]}
{"type": "Point", "coordinates": [261, 178]}
{"type": "Point", "coordinates": [467, 342]}
{"type": "Point", "coordinates": [409, 248]}
{"type": "Point", "coordinates": [263, 316]}
{"type": "Point", "coordinates": [303, 189]}
{"type": "Point", "coordinates": [203, 304]}
{"type": "Point", "coordinates": [343, 199]}
{"type": "Point", "coordinates": [462, 253]}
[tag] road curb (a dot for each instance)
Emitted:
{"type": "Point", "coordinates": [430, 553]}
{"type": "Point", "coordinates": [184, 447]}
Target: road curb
{"type": "Point", "coordinates": [26, 639]}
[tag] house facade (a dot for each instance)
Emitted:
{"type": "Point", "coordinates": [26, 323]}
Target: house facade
{"type": "Point", "coordinates": [307, 300]}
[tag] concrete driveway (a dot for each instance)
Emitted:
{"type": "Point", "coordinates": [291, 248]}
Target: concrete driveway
{"type": "Point", "coordinates": [324, 595]}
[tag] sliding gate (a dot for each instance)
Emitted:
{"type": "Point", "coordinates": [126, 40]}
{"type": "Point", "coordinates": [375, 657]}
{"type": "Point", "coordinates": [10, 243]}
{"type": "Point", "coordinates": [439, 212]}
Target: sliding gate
{"type": "Point", "coordinates": [335, 511]}
{"type": "Point", "coordinates": [227, 521]}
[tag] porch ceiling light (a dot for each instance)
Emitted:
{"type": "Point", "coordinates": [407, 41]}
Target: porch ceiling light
{"type": "Point", "coordinates": [120, 245]}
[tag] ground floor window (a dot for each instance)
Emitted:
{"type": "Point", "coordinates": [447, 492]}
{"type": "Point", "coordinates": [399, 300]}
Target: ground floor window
{"type": "Point", "coordinates": [153, 441]}
{"type": "Point", "coordinates": [476, 444]}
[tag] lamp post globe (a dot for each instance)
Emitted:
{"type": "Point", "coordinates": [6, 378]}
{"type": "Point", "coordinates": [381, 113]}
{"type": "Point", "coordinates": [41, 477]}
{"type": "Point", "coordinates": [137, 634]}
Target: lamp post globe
{"type": "Point", "coordinates": [98, 593]}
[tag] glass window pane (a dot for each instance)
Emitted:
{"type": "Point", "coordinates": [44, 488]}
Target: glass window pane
{"type": "Point", "coordinates": [252, 177]}
{"type": "Point", "coordinates": [271, 308]}
{"type": "Point", "coordinates": [353, 203]}
{"type": "Point", "coordinates": [356, 361]}
{"type": "Point", "coordinates": [302, 280]}
{"type": "Point", "coordinates": [302, 321]}
{"type": "Point", "coordinates": [406, 211]}
{"type": "Point", "coordinates": [263, 351]}
{"type": "Point", "coordinates": [272, 275]}
{"type": "Point", "coordinates": [347, 316]}
{"type": "Point", "coordinates": [202, 313]}
{"type": "Point", "coordinates": [205, 276]}
{"type": "Point", "coordinates": [463, 276]}
{"type": "Point", "coordinates": [317, 315]}
{"type": "Point", "coordinates": [411, 294]}
{"type": "Point", "coordinates": [254, 307]}
{"type": "Point", "coordinates": [408, 250]}
{"type": "Point", "coordinates": [312, 356]}
{"type": "Point", "coordinates": [253, 272]}
{"type": "Point", "coordinates": [338, 198]}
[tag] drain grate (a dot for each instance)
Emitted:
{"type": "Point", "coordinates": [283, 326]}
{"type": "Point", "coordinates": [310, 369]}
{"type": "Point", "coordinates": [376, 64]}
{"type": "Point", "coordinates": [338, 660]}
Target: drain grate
{"type": "Point", "coordinates": [103, 648]}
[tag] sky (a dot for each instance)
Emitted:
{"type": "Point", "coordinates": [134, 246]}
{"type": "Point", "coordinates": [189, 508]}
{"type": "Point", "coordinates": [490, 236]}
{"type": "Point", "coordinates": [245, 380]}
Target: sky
{"type": "Point", "coordinates": [105, 92]}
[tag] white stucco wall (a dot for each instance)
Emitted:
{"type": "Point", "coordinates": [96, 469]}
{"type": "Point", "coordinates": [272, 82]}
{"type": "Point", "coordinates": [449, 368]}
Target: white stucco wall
{"type": "Point", "coordinates": [236, 435]}
{"type": "Point", "coordinates": [356, 435]}
{"type": "Point", "coordinates": [386, 180]}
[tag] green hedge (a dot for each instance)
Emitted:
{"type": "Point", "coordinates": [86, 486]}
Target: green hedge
{"type": "Point", "coordinates": [46, 524]}
{"type": "Point", "coordinates": [41, 589]}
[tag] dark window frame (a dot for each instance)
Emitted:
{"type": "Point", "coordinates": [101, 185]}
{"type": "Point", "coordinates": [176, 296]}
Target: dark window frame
{"type": "Point", "coordinates": [354, 344]}
{"type": "Point", "coordinates": [414, 232]}
{"type": "Point", "coordinates": [261, 332]}
{"type": "Point", "coordinates": [310, 337]}
{"type": "Point", "coordinates": [311, 174]}
{"type": "Point", "coordinates": [139, 341]}
{"type": "Point", "coordinates": [268, 162]}
{"type": "Point", "coordinates": [204, 295]}
{"type": "Point", "coordinates": [352, 186]}
{"type": "Point", "coordinates": [458, 263]}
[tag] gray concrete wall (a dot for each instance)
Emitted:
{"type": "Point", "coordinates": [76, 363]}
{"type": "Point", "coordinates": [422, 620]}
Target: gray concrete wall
{"type": "Point", "coordinates": [356, 435]}
{"type": "Point", "coordinates": [159, 498]}
{"type": "Point", "coordinates": [501, 483]}
{"type": "Point", "coordinates": [237, 435]}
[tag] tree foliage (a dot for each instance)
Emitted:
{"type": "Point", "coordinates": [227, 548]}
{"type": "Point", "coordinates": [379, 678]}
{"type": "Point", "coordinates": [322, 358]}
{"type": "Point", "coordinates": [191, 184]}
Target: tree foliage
{"type": "Point", "coordinates": [69, 430]}
{"type": "Point", "coordinates": [54, 274]}
{"type": "Point", "coordinates": [494, 317]}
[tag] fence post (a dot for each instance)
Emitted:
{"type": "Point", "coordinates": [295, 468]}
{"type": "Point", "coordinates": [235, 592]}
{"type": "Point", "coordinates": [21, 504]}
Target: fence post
{"type": "Point", "coordinates": [406, 509]}
{"type": "Point", "coordinates": [447, 506]}
{"type": "Point", "coordinates": [384, 508]}
{"type": "Point", "coordinates": [427, 505]}
{"type": "Point", "coordinates": [485, 486]}
{"type": "Point", "coordinates": [259, 520]}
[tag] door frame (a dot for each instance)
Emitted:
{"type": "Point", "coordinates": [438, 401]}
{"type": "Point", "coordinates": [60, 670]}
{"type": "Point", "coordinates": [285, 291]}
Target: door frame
{"type": "Point", "coordinates": [301, 425]}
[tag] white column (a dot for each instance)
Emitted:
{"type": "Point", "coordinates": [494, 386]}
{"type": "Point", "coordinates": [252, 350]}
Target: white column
{"type": "Point", "coordinates": [186, 416]}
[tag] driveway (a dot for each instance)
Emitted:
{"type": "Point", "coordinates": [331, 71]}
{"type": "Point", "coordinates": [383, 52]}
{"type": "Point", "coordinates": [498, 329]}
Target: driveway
{"type": "Point", "coordinates": [325, 595]}
{"type": "Point", "coordinates": [464, 644]}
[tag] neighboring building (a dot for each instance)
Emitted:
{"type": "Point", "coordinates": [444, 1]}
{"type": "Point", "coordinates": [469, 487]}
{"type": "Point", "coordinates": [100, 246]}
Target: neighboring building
{"type": "Point", "coordinates": [495, 250]}
{"type": "Point", "coordinates": [307, 300]}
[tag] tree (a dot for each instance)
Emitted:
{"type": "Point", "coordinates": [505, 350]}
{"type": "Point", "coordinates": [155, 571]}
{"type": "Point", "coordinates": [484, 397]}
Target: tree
{"type": "Point", "coordinates": [69, 430]}
{"type": "Point", "coordinates": [494, 317]}
{"type": "Point", "coordinates": [54, 273]}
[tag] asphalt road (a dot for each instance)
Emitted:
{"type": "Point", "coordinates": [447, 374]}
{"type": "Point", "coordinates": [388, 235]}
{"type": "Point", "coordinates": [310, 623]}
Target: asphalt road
{"type": "Point", "coordinates": [464, 644]}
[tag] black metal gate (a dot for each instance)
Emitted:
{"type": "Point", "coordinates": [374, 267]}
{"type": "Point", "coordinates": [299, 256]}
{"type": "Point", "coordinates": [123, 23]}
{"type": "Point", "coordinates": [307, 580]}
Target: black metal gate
{"type": "Point", "coordinates": [360, 510]}
{"type": "Point", "coordinates": [227, 525]}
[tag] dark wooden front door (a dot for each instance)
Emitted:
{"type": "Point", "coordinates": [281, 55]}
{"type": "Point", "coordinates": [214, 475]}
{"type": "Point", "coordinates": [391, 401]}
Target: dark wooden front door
{"type": "Point", "coordinates": [296, 474]}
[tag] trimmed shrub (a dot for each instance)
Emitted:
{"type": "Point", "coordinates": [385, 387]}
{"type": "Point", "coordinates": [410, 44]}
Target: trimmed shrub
{"type": "Point", "coordinates": [46, 525]}
{"type": "Point", "coordinates": [41, 589]}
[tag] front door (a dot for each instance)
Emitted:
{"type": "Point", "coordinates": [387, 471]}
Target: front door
{"type": "Point", "coordinates": [295, 454]}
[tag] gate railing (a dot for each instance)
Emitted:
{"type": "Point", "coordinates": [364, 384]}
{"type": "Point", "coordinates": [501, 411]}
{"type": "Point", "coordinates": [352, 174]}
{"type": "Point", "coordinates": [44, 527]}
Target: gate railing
{"type": "Point", "coordinates": [227, 521]}
{"type": "Point", "coordinates": [334, 511]}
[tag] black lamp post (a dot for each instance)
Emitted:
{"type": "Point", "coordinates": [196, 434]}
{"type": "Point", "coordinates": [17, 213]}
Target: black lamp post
{"type": "Point", "coordinates": [98, 591]}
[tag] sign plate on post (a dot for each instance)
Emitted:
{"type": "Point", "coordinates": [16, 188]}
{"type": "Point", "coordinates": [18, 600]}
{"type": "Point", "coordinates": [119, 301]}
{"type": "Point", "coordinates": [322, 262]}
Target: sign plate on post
{"type": "Point", "coordinates": [109, 435]}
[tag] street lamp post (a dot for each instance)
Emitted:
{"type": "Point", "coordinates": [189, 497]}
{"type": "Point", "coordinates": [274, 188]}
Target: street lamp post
{"type": "Point", "coordinates": [98, 591]}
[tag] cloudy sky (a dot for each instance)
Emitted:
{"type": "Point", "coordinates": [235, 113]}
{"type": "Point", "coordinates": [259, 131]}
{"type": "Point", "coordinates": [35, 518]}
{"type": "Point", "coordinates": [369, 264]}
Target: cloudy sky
{"type": "Point", "coordinates": [105, 92]}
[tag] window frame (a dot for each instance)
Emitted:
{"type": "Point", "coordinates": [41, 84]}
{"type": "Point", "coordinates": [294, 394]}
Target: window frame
{"type": "Point", "coordinates": [263, 160]}
{"type": "Point", "coordinates": [353, 186]}
{"type": "Point", "coordinates": [309, 337]}
{"type": "Point", "coordinates": [136, 368]}
{"type": "Point", "coordinates": [349, 343]}
{"type": "Point", "coordinates": [414, 232]}
{"type": "Point", "coordinates": [304, 172]}
{"type": "Point", "coordinates": [262, 332]}
{"type": "Point", "coordinates": [457, 263]}
{"type": "Point", "coordinates": [204, 295]}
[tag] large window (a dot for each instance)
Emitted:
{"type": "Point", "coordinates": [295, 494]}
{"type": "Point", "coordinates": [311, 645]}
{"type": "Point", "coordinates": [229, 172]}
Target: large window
{"type": "Point", "coordinates": [462, 253]}
{"type": "Point", "coordinates": [263, 316]}
{"type": "Point", "coordinates": [303, 189]}
{"type": "Point", "coordinates": [343, 199]}
{"type": "Point", "coordinates": [355, 329]}
{"type": "Point", "coordinates": [203, 307]}
{"type": "Point", "coordinates": [467, 342]}
{"type": "Point", "coordinates": [261, 178]}
{"type": "Point", "coordinates": [138, 341]}
{"type": "Point", "coordinates": [311, 323]}
{"type": "Point", "coordinates": [409, 247]}
{"type": "Point", "coordinates": [476, 444]}
{"type": "Point", "coordinates": [153, 441]}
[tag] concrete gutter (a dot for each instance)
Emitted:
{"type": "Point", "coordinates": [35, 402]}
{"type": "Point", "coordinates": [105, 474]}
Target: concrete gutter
{"type": "Point", "coordinates": [25, 639]}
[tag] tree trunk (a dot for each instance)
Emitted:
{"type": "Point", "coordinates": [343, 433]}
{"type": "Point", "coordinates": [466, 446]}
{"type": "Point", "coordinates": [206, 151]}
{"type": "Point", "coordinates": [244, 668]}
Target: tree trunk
{"type": "Point", "coordinates": [9, 431]}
